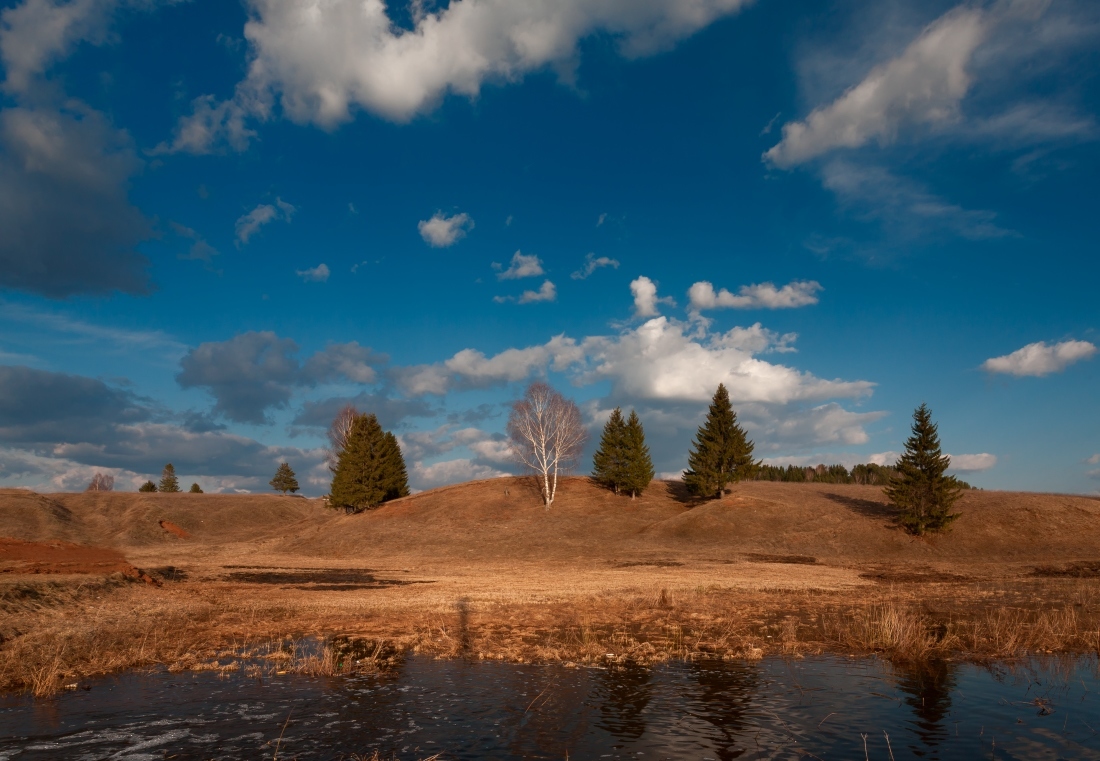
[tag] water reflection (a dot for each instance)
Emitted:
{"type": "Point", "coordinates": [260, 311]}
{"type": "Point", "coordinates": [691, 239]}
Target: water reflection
{"type": "Point", "coordinates": [725, 698]}
{"type": "Point", "coordinates": [817, 707]}
{"type": "Point", "coordinates": [928, 688]}
{"type": "Point", "coordinates": [622, 696]}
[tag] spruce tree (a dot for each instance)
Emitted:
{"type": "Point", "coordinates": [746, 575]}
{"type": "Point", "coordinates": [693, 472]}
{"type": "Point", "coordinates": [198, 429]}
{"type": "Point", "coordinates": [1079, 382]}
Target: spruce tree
{"type": "Point", "coordinates": [360, 480]}
{"type": "Point", "coordinates": [284, 479]}
{"type": "Point", "coordinates": [921, 491]}
{"type": "Point", "coordinates": [168, 480]}
{"type": "Point", "coordinates": [639, 465]}
{"type": "Point", "coordinates": [608, 464]}
{"type": "Point", "coordinates": [196, 489]}
{"type": "Point", "coordinates": [148, 486]}
{"type": "Point", "coordinates": [393, 466]}
{"type": "Point", "coordinates": [721, 452]}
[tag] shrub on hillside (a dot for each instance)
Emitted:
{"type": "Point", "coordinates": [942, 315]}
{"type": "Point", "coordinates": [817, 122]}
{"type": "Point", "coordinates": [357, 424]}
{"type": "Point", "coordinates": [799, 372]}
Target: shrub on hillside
{"type": "Point", "coordinates": [148, 486]}
{"type": "Point", "coordinates": [196, 489]}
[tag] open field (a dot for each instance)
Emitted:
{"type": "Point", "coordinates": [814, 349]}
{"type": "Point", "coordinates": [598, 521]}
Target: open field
{"type": "Point", "coordinates": [482, 570]}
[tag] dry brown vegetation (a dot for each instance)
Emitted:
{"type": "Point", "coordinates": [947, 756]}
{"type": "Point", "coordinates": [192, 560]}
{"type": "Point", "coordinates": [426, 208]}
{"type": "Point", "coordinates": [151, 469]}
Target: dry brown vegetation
{"type": "Point", "coordinates": [482, 571]}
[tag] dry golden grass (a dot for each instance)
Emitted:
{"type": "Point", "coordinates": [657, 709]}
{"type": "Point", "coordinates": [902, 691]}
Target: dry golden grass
{"type": "Point", "coordinates": [480, 571]}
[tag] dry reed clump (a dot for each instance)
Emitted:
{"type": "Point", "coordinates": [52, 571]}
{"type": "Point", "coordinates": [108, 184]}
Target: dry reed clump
{"type": "Point", "coordinates": [904, 632]}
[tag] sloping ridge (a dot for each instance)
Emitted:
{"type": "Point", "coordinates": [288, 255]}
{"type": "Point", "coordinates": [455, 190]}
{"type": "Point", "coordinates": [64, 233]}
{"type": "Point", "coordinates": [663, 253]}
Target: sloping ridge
{"type": "Point", "coordinates": [32, 517]}
{"type": "Point", "coordinates": [503, 519]}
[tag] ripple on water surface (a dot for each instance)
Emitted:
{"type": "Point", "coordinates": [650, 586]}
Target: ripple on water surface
{"type": "Point", "coordinates": [816, 707]}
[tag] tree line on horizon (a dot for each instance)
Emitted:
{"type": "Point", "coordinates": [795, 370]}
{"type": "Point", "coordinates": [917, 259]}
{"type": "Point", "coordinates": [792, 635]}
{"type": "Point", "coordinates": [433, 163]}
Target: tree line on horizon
{"type": "Point", "coordinates": [547, 436]}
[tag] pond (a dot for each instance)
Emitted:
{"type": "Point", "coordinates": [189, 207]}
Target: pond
{"type": "Point", "coordinates": [819, 707]}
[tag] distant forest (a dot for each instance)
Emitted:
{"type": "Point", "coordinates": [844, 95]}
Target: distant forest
{"type": "Point", "coordinates": [869, 473]}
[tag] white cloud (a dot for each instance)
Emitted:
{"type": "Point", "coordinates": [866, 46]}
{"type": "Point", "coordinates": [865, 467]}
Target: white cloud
{"type": "Point", "coordinates": [969, 463]}
{"type": "Point", "coordinates": [923, 85]}
{"type": "Point", "coordinates": [659, 360]}
{"type": "Point", "coordinates": [322, 61]}
{"type": "Point", "coordinates": [593, 263]}
{"type": "Point", "coordinates": [447, 472]}
{"type": "Point", "coordinates": [645, 297]}
{"type": "Point", "coordinates": [1094, 460]}
{"type": "Point", "coordinates": [250, 223]}
{"type": "Point", "coordinates": [546, 292]}
{"type": "Point", "coordinates": [825, 424]}
{"type": "Point", "coordinates": [442, 231]}
{"type": "Point", "coordinates": [522, 265]}
{"type": "Point", "coordinates": [799, 293]}
{"type": "Point", "coordinates": [602, 218]}
{"type": "Point", "coordinates": [884, 458]}
{"type": "Point", "coordinates": [1039, 359]}
{"type": "Point", "coordinates": [318, 274]}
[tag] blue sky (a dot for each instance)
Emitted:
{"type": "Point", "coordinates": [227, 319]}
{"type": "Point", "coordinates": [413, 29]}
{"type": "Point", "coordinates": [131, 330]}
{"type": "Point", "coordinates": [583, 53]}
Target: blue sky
{"type": "Point", "coordinates": [219, 222]}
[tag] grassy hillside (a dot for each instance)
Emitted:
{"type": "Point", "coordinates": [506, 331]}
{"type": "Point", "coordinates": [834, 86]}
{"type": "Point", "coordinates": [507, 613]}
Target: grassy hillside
{"type": "Point", "coordinates": [501, 519]}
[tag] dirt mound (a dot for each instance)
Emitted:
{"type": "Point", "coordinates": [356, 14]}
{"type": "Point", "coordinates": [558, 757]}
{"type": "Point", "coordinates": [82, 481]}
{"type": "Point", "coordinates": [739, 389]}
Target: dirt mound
{"type": "Point", "coordinates": [174, 530]}
{"type": "Point", "coordinates": [34, 518]}
{"type": "Point", "coordinates": [17, 556]}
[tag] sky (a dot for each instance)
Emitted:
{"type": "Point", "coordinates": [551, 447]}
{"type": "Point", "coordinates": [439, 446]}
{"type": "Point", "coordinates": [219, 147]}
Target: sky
{"type": "Point", "coordinates": [222, 221]}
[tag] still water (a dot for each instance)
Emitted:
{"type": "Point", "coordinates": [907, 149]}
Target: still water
{"type": "Point", "coordinates": [782, 709]}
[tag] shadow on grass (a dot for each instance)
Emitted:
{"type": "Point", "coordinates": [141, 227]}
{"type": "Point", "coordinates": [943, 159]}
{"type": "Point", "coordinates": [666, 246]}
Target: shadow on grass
{"type": "Point", "coordinates": [865, 507]}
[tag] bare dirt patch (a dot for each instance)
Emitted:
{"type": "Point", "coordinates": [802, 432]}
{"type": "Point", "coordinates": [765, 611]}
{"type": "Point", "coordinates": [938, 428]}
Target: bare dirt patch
{"type": "Point", "coordinates": [175, 530]}
{"type": "Point", "coordinates": [21, 557]}
{"type": "Point", "coordinates": [914, 576]}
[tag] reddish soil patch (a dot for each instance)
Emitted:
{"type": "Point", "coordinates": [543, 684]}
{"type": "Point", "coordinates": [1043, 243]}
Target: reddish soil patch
{"type": "Point", "coordinates": [17, 556]}
{"type": "Point", "coordinates": [172, 528]}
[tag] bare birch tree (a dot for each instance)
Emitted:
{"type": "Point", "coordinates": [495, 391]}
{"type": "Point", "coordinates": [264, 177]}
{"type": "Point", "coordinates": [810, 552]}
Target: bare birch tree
{"type": "Point", "coordinates": [547, 435]}
{"type": "Point", "coordinates": [102, 482]}
{"type": "Point", "coordinates": [338, 432]}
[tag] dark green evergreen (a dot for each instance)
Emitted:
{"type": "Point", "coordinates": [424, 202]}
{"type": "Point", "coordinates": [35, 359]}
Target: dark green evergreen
{"type": "Point", "coordinates": [168, 480]}
{"type": "Point", "coordinates": [284, 479]}
{"type": "Point", "coordinates": [148, 486]}
{"type": "Point", "coordinates": [721, 452]}
{"type": "Point", "coordinates": [609, 462]}
{"type": "Point", "coordinates": [196, 489]}
{"type": "Point", "coordinates": [638, 464]}
{"type": "Point", "coordinates": [397, 477]}
{"type": "Point", "coordinates": [922, 491]}
{"type": "Point", "coordinates": [370, 469]}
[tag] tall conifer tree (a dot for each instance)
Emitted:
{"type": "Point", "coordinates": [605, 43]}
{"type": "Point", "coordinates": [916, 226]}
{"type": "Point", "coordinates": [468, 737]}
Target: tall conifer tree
{"type": "Point", "coordinates": [393, 464]}
{"type": "Point", "coordinates": [370, 469]}
{"type": "Point", "coordinates": [608, 465]}
{"type": "Point", "coordinates": [168, 480]}
{"type": "Point", "coordinates": [721, 453]}
{"type": "Point", "coordinates": [639, 465]}
{"type": "Point", "coordinates": [921, 490]}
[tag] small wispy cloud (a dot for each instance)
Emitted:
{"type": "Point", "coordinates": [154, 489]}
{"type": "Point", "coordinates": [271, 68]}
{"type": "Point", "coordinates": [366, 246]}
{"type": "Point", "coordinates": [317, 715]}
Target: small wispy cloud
{"type": "Point", "coordinates": [318, 274]}
{"type": "Point", "coordinates": [547, 292]}
{"type": "Point", "coordinates": [249, 224]}
{"type": "Point", "coordinates": [521, 266]}
{"type": "Point", "coordinates": [593, 263]}
{"type": "Point", "coordinates": [972, 463]}
{"type": "Point", "coordinates": [442, 231]}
